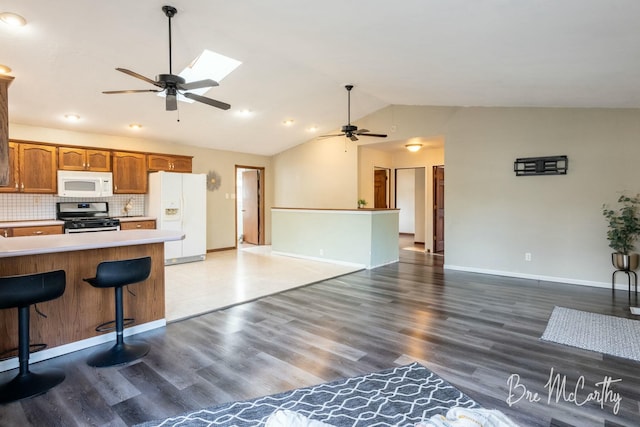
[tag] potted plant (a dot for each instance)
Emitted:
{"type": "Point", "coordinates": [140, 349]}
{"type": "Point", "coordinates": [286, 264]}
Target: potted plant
{"type": "Point", "coordinates": [624, 229]}
{"type": "Point", "coordinates": [362, 203]}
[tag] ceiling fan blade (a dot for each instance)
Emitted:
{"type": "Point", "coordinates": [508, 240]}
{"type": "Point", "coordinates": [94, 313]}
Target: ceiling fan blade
{"type": "Point", "coordinates": [198, 84]}
{"type": "Point", "coordinates": [330, 136]}
{"type": "Point", "coordinates": [353, 137]}
{"type": "Point", "coordinates": [359, 131]}
{"type": "Point", "coordinates": [171, 103]}
{"type": "Point", "coordinates": [131, 91]}
{"type": "Point", "coordinates": [139, 76]}
{"type": "Point", "coordinates": [378, 135]}
{"type": "Point", "coordinates": [208, 101]}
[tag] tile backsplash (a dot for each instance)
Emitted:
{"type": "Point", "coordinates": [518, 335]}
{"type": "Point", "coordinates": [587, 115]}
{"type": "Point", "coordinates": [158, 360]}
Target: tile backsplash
{"type": "Point", "coordinates": [25, 207]}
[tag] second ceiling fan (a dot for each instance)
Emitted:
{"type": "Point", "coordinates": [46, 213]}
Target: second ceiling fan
{"type": "Point", "coordinates": [351, 131]}
{"type": "Point", "coordinates": [173, 84]}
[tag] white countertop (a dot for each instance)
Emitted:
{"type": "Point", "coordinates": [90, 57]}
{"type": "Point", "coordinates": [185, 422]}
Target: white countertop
{"type": "Point", "coordinates": [34, 245]}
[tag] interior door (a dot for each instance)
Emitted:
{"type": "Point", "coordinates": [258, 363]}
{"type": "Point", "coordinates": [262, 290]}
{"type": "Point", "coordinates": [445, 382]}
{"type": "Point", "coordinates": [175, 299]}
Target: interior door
{"type": "Point", "coordinates": [251, 206]}
{"type": "Point", "coordinates": [380, 188]}
{"type": "Point", "coordinates": [438, 208]}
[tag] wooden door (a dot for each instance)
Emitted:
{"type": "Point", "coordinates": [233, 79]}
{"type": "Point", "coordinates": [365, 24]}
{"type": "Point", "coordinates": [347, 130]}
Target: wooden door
{"type": "Point", "coordinates": [438, 208]}
{"type": "Point", "coordinates": [71, 159]}
{"type": "Point", "coordinates": [250, 206]}
{"type": "Point", "coordinates": [380, 188]}
{"type": "Point", "coordinates": [38, 168]}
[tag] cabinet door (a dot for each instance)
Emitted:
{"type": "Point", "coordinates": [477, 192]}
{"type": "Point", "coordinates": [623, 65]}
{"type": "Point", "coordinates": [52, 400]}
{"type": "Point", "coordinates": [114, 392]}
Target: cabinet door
{"type": "Point", "coordinates": [158, 162]}
{"type": "Point", "coordinates": [129, 173]}
{"type": "Point", "coordinates": [12, 187]}
{"type": "Point", "coordinates": [6, 232]}
{"type": "Point", "coordinates": [98, 160]}
{"type": "Point", "coordinates": [37, 168]}
{"type": "Point", "coordinates": [71, 159]}
{"type": "Point", "coordinates": [182, 164]}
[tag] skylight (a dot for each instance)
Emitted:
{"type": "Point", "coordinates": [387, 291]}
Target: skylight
{"type": "Point", "coordinates": [208, 65]}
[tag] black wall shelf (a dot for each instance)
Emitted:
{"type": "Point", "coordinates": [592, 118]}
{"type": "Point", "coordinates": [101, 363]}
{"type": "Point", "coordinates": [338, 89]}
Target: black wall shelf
{"type": "Point", "coordinates": [552, 165]}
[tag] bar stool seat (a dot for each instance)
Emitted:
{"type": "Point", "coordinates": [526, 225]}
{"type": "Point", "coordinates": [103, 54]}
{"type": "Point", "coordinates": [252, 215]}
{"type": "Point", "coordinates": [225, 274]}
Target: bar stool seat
{"type": "Point", "coordinates": [116, 274]}
{"type": "Point", "coordinates": [21, 292]}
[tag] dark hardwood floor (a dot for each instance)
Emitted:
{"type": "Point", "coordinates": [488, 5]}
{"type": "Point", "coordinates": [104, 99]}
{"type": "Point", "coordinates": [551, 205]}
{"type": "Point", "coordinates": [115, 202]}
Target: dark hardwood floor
{"type": "Point", "coordinates": [475, 331]}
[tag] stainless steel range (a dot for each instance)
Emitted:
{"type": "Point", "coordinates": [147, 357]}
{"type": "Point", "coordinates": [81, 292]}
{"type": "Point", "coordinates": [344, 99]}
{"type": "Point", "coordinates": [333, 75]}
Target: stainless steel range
{"type": "Point", "coordinates": [85, 217]}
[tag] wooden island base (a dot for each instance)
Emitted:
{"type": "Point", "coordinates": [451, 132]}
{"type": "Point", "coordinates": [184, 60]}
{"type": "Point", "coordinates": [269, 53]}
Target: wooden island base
{"type": "Point", "coordinates": [74, 316]}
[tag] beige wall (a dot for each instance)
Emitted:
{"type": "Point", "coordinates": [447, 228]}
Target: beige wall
{"type": "Point", "coordinates": [220, 203]}
{"type": "Point", "coordinates": [493, 217]}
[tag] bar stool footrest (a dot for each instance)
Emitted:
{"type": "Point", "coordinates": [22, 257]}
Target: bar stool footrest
{"type": "Point", "coordinates": [111, 325]}
{"type": "Point", "coordinates": [13, 352]}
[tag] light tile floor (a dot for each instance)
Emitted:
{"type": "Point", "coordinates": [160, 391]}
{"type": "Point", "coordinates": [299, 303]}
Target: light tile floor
{"type": "Point", "coordinates": [231, 277]}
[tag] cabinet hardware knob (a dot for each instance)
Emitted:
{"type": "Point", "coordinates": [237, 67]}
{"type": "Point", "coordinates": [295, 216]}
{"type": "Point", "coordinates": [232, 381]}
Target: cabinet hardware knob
{"type": "Point", "coordinates": [37, 232]}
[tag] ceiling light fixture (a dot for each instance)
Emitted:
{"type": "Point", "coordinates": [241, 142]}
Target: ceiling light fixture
{"type": "Point", "coordinates": [13, 19]}
{"type": "Point", "coordinates": [312, 129]}
{"type": "Point", "coordinates": [72, 117]}
{"type": "Point", "coordinates": [244, 112]}
{"type": "Point", "coordinates": [413, 147]}
{"type": "Point", "coordinates": [135, 126]}
{"type": "Point", "coordinates": [288, 122]}
{"type": "Point", "coordinates": [4, 69]}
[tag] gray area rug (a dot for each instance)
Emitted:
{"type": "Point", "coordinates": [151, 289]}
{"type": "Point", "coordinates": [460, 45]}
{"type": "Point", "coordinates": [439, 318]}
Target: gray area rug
{"type": "Point", "coordinates": [400, 396]}
{"type": "Point", "coordinates": [611, 335]}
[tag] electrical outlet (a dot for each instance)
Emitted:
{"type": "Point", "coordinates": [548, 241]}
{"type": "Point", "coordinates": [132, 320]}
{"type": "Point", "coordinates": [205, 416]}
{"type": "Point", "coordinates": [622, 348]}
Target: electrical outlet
{"type": "Point", "coordinates": [527, 256]}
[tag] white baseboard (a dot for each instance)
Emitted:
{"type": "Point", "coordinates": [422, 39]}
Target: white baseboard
{"type": "Point", "coordinates": [49, 353]}
{"type": "Point", "coordinates": [311, 258]}
{"type": "Point", "coordinates": [567, 280]}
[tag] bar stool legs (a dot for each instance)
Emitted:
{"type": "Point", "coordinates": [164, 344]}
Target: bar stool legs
{"type": "Point", "coordinates": [116, 274]}
{"type": "Point", "coordinates": [121, 352]}
{"type": "Point", "coordinates": [22, 292]}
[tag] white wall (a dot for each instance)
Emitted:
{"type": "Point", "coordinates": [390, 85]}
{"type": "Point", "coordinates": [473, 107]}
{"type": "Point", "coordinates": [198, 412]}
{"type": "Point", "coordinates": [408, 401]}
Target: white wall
{"type": "Point", "coordinates": [220, 203]}
{"type": "Point", "coordinates": [322, 173]}
{"type": "Point", "coordinates": [493, 217]}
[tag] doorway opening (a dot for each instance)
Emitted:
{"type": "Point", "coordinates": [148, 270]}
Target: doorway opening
{"type": "Point", "coordinates": [410, 194]}
{"type": "Point", "coordinates": [249, 206]}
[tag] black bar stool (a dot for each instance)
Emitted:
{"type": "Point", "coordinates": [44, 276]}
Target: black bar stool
{"type": "Point", "coordinates": [21, 292]}
{"type": "Point", "coordinates": [116, 274]}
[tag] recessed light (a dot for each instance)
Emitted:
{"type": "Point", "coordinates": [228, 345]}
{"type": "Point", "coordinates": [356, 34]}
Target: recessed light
{"type": "Point", "coordinates": [244, 112]}
{"type": "Point", "coordinates": [4, 69]}
{"type": "Point", "coordinates": [288, 122]}
{"type": "Point", "coordinates": [312, 129]}
{"type": "Point", "coordinates": [135, 126]}
{"type": "Point", "coordinates": [13, 19]}
{"type": "Point", "coordinates": [72, 117]}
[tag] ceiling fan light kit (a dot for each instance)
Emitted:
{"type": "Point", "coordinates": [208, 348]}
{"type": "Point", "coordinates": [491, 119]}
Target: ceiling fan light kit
{"type": "Point", "coordinates": [173, 85]}
{"type": "Point", "coordinates": [351, 131]}
{"type": "Point", "coordinates": [413, 147]}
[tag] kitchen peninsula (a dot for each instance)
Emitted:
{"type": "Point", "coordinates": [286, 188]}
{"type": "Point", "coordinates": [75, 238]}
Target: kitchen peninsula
{"type": "Point", "coordinates": [72, 319]}
{"type": "Point", "coordinates": [366, 238]}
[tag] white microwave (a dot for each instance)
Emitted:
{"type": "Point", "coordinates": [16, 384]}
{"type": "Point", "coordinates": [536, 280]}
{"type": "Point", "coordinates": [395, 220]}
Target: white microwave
{"type": "Point", "coordinates": [85, 184]}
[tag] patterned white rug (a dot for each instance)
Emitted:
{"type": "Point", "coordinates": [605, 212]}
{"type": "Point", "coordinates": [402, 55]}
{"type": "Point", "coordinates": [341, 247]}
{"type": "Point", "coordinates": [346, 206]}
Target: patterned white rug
{"type": "Point", "coordinates": [611, 335]}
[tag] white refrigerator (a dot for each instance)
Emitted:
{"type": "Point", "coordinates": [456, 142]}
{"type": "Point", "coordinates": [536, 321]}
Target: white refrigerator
{"type": "Point", "coordinates": [178, 201]}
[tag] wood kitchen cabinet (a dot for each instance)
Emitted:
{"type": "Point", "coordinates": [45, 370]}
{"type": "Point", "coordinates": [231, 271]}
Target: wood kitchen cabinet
{"type": "Point", "coordinates": [84, 159]}
{"type": "Point", "coordinates": [32, 168]}
{"type": "Point", "coordinates": [37, 230]}
{"type": "Point", "coordinates": [169, 163]}
{"type": "Point", "coordinates": [138, 225]}
{"type": "Point", "coordinates": [129, 172]}
{"type": "Point", "coordinates": [6, 232]}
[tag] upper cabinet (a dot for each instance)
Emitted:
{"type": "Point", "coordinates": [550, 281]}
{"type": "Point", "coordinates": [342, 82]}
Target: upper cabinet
{"type": "Point", "coordinates": [84, 159]}
{"type": "Point", "coordinates": [129, 172]}
{"type": "Point", "coordinates": [170, 163]}
{"type": "Point", "coordinates": [33, 168]}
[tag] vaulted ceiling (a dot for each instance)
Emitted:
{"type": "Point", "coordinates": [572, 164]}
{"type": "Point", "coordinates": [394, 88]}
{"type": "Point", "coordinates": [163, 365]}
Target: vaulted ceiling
{"type": "Point", "coordinates": [298, 55]}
